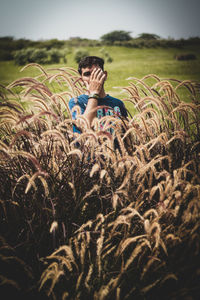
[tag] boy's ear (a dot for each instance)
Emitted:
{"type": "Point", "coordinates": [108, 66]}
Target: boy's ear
{"type": "Point", "coordinates": [105, 72]}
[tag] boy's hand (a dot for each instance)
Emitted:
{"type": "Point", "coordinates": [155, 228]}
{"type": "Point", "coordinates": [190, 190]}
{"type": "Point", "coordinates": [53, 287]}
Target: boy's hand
{"type": "Point", "coordinates": [96, 81]}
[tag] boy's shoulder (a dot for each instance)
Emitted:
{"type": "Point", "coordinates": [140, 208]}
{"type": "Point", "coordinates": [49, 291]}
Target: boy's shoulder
{"type": "Point", "coordinates": [78, 100]}
{"type": "Point", "coordinates": [114, 100]}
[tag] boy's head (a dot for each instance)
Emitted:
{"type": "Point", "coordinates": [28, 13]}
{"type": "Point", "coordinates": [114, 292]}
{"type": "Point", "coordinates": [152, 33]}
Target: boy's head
{"type": "Point", "coordinates": [89, 61]}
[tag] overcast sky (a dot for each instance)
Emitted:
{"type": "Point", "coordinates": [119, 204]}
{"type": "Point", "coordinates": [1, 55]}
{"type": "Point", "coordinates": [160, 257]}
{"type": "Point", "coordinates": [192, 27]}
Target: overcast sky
{"type": "Point", "coordinates": [62, 19]}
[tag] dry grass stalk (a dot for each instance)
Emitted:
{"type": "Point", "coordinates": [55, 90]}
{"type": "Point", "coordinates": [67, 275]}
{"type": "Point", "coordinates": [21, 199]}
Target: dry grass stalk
{"type": "Point", "coordinates": [133, 206]}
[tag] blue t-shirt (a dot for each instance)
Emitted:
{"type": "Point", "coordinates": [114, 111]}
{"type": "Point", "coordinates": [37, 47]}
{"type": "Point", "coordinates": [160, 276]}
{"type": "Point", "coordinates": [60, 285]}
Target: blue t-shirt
{"type": "Point", "coordinates": [113, 105]}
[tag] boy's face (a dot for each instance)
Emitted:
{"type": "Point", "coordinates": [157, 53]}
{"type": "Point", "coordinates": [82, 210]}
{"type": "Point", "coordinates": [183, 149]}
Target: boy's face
{"type": "Point", "coordinates": [86, 73]}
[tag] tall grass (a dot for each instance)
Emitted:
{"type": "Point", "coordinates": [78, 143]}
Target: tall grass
{"type": "Point", "coordinates": [91, 221]}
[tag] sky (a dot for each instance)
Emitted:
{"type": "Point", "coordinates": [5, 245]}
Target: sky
{"type": "Point", "coordinates": [63, 19]}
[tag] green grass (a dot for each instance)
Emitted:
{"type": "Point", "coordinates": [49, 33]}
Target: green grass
{"type": "Point", "coordinates": [127, 62]}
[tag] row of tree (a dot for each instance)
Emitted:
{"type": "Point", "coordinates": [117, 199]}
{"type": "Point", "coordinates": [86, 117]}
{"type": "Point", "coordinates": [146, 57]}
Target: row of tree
{"type": "Point", "coordinates": [9, 46]}
{"type": "Point", "coordinates": [122, 36]}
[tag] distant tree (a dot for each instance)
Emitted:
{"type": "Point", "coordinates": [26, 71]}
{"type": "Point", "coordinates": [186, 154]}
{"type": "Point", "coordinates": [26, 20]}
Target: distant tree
{"type": "Point", "coordinates": [22, 43]}
{"type": "Point", "coordinates": [7, 43]}
{"type": "Point", "coordinates": [113, 36]}
{"type": "Point", "coordinates": [148, 36]}
{"type": "Point", "coordinates": [7, 38]}
{"type": "Point", "coordinates": [49, 44]}
{"type": "Point", "coordinates": [75, 38]}
{"type": "Point", "coordinates": [6, 48]}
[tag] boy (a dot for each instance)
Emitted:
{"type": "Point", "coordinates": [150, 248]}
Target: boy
{"type": "Point", "coordinates": [91, 69]}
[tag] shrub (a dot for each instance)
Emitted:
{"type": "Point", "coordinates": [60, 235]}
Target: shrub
{"type": "Point", "coordinates": [55, 56]}
{"type": "Point", "coordinates": [23, 56]}
{"type": "Point", "coordinates": [79, 54]}
{"type": "Point", "coordinates": [39, 55]}
{"type": "Point", "coordinates": [106, 55]}
{"type": "Point", "coordinates": [109, 59]}
{"type": "Point", "coordinates": [188, 56]}
{"type": "Point", "coordinates": [5, 55]}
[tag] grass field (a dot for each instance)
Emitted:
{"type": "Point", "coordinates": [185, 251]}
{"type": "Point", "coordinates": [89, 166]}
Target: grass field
{"type": "Point", "coordinates": [127, 62]}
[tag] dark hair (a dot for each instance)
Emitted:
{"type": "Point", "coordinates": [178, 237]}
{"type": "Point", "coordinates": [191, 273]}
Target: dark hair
{"type": "Point", "coordinates": [89, 61]}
